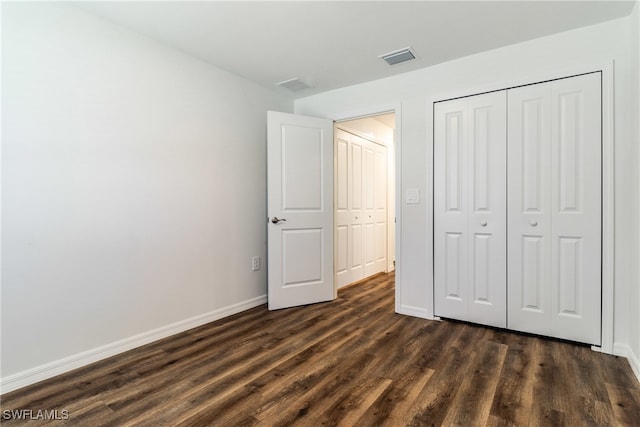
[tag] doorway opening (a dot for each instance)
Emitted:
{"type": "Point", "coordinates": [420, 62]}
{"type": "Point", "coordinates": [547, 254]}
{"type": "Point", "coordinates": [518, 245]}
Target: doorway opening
{"type": "Point", "coordinates": [364, 197]}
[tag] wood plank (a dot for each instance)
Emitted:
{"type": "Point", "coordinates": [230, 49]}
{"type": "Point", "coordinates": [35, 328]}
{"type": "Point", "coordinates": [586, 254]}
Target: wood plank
{"type": "Point", "coordinates": [302, 370]}
{"type": "Point", "coordinates": [349, 362]}
{"type": "Point", "coordinates": [625, 404]}
{"type": "Point", "coordinates": [514, 392]}
{"type": "Point", "coordinates": [470, 406]}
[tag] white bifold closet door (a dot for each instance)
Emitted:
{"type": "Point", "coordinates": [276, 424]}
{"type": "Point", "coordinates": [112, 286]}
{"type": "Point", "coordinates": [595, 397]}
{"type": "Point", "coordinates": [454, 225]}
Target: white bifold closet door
{"type": "Point", "coordinates": [554, 208]}
{"type": "Point", "coordinates": [361, 208]}
{"type": "Point", "coordinates": [470, 209]}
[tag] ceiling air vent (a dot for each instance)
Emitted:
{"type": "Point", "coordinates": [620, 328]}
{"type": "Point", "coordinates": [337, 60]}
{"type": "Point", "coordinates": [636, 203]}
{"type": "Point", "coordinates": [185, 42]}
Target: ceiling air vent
{"type": "Point", "coordinates": [294, 84]}
{"type": "Point", "coordinates": [399, 56]}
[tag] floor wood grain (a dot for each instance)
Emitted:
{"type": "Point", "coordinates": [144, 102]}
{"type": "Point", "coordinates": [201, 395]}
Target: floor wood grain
{"type": "Point", "coordinates": [351, 362]}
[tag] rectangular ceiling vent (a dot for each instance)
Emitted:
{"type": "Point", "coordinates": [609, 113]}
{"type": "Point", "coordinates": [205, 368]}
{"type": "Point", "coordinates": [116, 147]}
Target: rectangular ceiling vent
{"type": "Point", "coordinates": [294, 84]}
{"type": "Point", "coordinates": [399, 56]}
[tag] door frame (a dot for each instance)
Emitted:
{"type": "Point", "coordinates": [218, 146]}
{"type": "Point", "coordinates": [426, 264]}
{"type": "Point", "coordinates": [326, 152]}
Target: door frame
{"type": "Point", "coordinates": [376, 110]}
{"type": "Point", "coordinates": [608, 189]}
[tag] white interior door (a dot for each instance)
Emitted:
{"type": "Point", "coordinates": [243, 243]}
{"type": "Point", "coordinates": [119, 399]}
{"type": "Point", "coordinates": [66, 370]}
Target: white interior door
{"type": "Point", "coordinates": [300, 209]}
{"type": "Point", "coordinates": [555, 208]}
{"type": "Point", "coordinates": [470, 209]}
{"type": "Point", "coordinates": [375, 214]}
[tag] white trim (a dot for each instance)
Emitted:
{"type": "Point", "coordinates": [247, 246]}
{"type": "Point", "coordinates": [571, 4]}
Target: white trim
{"type": "Point", "coordinates": [622, 349]}
{"type": "Point", "coordinates": [411, 310]}
{"type": "Point", "coordinates": [608, 165]}
{"type": "Point", "coordinates": [430, 206]}
{"type": "Point", "coordinates": [347, 129]}
{"type": "Point", "coordinates": [608, 206]}
{"type": "Point", "coordinates": [48, 370]}
{"type": "Point", "coordinates": [363, 113]}
{"type": "Point", "coordinates": [635, 363]}
{"type": "Point", "coordinates": [397, 144]}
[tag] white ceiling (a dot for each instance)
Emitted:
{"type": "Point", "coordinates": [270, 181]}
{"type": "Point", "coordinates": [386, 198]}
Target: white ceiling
{"type": "Point", "coordinates": [337, 44]}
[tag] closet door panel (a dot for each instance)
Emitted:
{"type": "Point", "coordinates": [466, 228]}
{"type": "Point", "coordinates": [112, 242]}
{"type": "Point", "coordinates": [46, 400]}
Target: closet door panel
{"type": "Point", "coordinates": [469, 209]}
{"type": "Point", "coordinates": [355, 245]}
{"type": "Point", "coordinates": [369, 248]}
{"type": "Point", "coordinates": [487, 209]}
{"type": "Point", "coordinates": [369, 205]}
{"type": "Point", "coordinates": [380, 212]}
{"type": "Point", "coordinates": [529, 206]}
{"type": "Point", "coordinates": [342, 255]}
{"type": "Point", "coordinates": [450, 209]}
{"type": "Point", "coordinates": [355, 203]}
{"type": "Point", "coordinates": [343, 275]}
{"type": "Point", "coordinates": [342, 169]}
{"type": "Point", "coordinates": [356, 188]}
{"type": "Point", "coordinates": [554, 271]}
{"type": "Point", "coordinates": [531, 286]}
{"type": "Point", "coordinates": [576, 208]}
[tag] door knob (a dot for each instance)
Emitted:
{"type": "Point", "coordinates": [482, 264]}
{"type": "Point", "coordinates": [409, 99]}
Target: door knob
{"type": "Point", "coordinates": [483, 223]}
{"type": "Point", "coordinates": [533, 222]}
{"type": "Point", "coordinates": [277, 220]}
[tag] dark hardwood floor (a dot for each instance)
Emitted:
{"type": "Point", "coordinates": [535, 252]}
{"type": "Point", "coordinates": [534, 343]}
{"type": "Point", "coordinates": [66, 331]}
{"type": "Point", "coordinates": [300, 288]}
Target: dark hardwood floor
{"type": "Point", "coordinates": [349, 362]}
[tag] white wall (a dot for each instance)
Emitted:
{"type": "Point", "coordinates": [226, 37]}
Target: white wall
{"type": "Point", "coordinates": [133, 189]}
{"type": "Point", "coordinates": [634, 300]}
{"type": "Point", "coordinates": [516, 63]}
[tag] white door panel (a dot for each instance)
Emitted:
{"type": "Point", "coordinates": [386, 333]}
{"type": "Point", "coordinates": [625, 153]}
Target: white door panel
{"type": "Point", "coordinates": [369, 248]}
{"type": "Point", "coordinates": [487, 209]}
{"type": "Point", "coordinates": [356, 209]}
{"type": "Point", "coordinates": [342, 181]}
{"type": "Point", "coordinates": [576, 208]}
{"type": "Point", "coordinates": [300, 180]}
{"type": "Point", "coordinates": [343, 240]}
{"type": "Point", "coordinates": [529, 208]}
{"type": "Point", "coordinates": [356, 176]}
{"type": "Point", "coordinates": [470, 205]}
{"type": "Point", "coordinates": [367, 214]}
{"type": "Point", "coordinates": [342, 245]}
{"type": "Point", "coordinates": [370, 178]}
{"type": "Point", "coordinates": [357, 257]}
{"type": "Point", "coordinates": [450, 209]}
{"type": "Point", "coordinates": [379, 213]}
{"type": "Point", "coordinates": [555, 208]}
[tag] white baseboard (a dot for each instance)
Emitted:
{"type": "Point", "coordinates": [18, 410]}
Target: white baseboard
{"type": "Point", "coordinates": [48, 370]}
{"type": "Point", "coordinates": [634, 361]}
{"type": "Point", "coordinates": [410, 310]}
{"type": "Point", "coordinates": [620, 349]}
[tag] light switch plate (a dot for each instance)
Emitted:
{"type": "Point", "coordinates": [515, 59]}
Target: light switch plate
{"type": "Point", "coordinates": [413, 196]}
